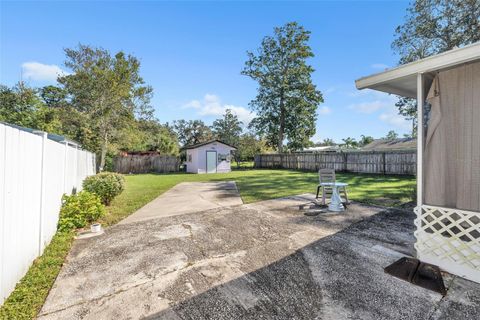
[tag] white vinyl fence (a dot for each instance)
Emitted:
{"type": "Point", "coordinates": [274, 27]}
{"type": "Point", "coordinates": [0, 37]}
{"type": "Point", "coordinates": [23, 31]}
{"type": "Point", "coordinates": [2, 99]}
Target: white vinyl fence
{"type": "Point", "coordinates": [35, 172]}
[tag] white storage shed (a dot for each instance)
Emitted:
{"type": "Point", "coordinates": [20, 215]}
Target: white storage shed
{"type": "Point", "coordinates": [447, 89]}
{"type": "Point", "coordinates": [209, 157]}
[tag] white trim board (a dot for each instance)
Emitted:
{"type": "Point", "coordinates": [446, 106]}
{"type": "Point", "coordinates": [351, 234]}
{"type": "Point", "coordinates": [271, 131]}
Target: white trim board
{"type": "Point", "coordinates": [402, 80]}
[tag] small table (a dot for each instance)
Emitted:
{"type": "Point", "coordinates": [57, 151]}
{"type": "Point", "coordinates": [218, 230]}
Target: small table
{"type": "Point", "coordinates": [336, 201]}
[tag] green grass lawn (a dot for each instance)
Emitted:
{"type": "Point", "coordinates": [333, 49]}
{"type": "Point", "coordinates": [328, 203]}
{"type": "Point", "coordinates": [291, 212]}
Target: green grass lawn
{"type": "Point", "coordinates": [32, 290]}
{"type": "Point", "coordinates": [254, 185]}
{"type": "Point", "coordinates": [242, 165]}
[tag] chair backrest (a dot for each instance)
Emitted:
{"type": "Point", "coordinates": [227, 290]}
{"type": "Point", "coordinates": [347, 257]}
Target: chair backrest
{"type": "Point", "coordinates": [326, 175]}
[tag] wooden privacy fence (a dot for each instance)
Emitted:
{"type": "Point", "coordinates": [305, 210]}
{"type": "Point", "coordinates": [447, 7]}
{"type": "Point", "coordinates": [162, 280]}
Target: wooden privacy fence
{"type": "Point", "coordinates": [387, 162]}
{"type": "Point", "coordinates": [146, 163]}
{"type": "Point", "coordinates": [35, 172]}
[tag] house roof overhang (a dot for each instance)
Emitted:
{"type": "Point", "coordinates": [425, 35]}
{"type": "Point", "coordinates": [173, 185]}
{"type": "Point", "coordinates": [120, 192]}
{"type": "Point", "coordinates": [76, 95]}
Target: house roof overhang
{"type": "Point", "coordinates": [402, 80]}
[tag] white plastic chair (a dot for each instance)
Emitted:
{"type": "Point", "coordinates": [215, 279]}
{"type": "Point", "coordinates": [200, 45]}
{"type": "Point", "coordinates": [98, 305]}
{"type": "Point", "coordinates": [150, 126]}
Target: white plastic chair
{"type": "Point", "coordinates": [328, 175]}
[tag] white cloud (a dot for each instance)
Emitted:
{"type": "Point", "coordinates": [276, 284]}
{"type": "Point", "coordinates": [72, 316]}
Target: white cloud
{"type": "Point", "coordinates": [371, 101]}
{"type": "Point", "coordinates": [380, 66]}
{"type": "Point", "coordinates": [37, 71]}
{"type": "Point", "coordinates": [329, 90]}
{"type": "Point", "coordinates": [394, 119]}
{"type": "Point", "coordinates": [195, 104]}
{"type": "Point", "coordinates": [211, 105]}
{"type": "Point", "coordinates": [381, 104]}
{"type": "Point", "coordinates": [369, 107]}
{"type": "Point", "coordinates": [324, 110]}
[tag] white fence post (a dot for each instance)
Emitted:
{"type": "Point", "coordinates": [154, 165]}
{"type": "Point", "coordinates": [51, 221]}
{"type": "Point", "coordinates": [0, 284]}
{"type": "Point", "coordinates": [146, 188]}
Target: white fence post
{"type": "Point", "coordinates": [3, 156]}
{"type": "Point", "coordinates": [75, 170]}
{"type": "Point", "coordinates": [65, 166]}
{"type": "Point", "coordinates": [31, 186]}
{"type": "Point", "coordinates": [42, 192]}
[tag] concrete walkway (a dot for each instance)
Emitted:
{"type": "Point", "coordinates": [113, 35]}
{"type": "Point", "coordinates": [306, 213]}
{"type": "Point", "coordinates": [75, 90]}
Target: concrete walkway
{"type": "Point", "coordinates": [265, 260]}
{"type": "Point", "coordinates": [188, 197]}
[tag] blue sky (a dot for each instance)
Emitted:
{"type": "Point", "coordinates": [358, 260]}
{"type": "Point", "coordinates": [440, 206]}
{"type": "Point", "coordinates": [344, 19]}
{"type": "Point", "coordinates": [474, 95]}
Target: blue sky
{"type": "Point", "coordinates": [192, 52]}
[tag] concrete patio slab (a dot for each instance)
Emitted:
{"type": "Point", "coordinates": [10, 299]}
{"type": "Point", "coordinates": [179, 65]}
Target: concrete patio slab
{"type": "Point", "coordinates": [189, 197]}
{"type": "Point", "coordinates": [258, 261]}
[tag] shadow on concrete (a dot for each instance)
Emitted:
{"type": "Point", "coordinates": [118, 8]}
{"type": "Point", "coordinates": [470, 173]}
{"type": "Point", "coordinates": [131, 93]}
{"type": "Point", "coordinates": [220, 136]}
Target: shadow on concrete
{"type": "Point", "coordinates": [338, 277]}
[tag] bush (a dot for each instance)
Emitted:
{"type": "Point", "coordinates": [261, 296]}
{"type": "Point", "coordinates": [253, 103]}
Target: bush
{"type": "Point", "coordinates": [79, 209]}
{"type": "Point", "coordinates": [106, 185]}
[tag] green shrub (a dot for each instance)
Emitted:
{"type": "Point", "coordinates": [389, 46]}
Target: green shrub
{"type": "Point", "coordinates": [79, 209]}
{"type": "Point", "coordinates": [106, 185]}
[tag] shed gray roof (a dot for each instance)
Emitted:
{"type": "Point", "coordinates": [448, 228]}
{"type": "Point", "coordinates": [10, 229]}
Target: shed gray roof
{"type": "Point", "coordinates": [208, 142]}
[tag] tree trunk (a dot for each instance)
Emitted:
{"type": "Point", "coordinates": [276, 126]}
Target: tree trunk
{"type": "Point", "coordinates": [103, 154]}
{"type": "Point", "coordinates": [413, 128]}
{"type": "Point", "coordinates": [237, 159]}
{"type": "Point", "coordinates": [282, 126]}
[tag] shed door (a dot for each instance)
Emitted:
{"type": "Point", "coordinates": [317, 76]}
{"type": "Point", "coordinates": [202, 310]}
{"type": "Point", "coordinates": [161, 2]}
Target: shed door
{"type": "Point", "coordinates": [211, 161]}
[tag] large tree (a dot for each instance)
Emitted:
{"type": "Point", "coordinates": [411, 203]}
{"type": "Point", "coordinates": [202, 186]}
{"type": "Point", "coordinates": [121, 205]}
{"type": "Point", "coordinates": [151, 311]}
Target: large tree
{"type": "Point", "coordinates": [19, 105]}
{"type": "Point", "coordinates": [107, 89]}
{"type": "Point", "coordinates": [228, 128]}
{"type": "Point", "coordinates": [192, 132]}
{"type": "Point", "coordinates": [287, 99]}
{"type": "Point", "coordinates": [158, 137]}
{"type": "Point", "coordinates": [364, 140]}
{"type": "Point", "coordinates": [325, 142]}
{"type": "Point", "coordinates": [391, 135]}
{"type": "Point", "coordinates": [350, 143]}
{"type": "Point", "coordinates": [54, 97]}
{"type": "Point", "coordinates": [248, 146]}
{"type": "Point", "coordinates": [431, 27]}
{"type": "Point", "coordinates": [45, 109]}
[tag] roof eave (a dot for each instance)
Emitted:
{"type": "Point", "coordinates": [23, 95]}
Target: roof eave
{"type": "Point", "coordinates": [385, 81]}
{"type": "Point", "coordinates": [198, 145]}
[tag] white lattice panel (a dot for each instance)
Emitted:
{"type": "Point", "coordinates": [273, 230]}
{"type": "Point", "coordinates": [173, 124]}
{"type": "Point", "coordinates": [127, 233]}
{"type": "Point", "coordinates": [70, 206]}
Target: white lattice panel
{"type": "Point", "coordinates": [449, 238]}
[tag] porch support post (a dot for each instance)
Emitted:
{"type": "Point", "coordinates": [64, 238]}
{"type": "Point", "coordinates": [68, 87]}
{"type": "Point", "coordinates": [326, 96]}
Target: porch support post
{"type": "Point", "coordinates": [420, 101]}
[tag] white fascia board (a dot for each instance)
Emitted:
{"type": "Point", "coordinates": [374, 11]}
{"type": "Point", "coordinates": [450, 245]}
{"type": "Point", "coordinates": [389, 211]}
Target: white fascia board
{"type": "Point", "coordinates": [437, 62]}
